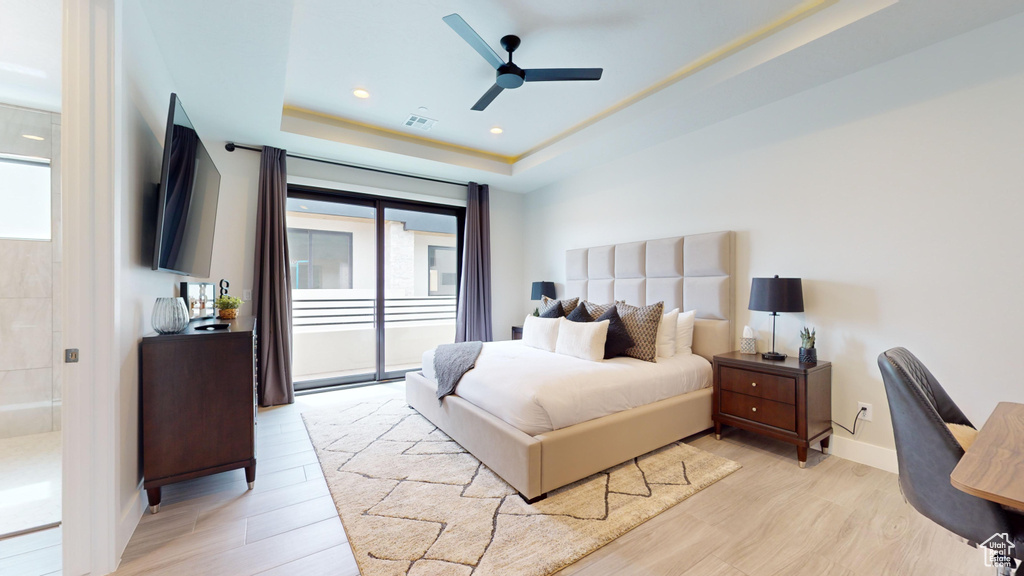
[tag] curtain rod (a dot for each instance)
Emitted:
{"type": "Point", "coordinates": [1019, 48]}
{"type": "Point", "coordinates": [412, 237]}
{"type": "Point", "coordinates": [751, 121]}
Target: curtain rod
{"type": "Point", "coordinates": [232, 146]}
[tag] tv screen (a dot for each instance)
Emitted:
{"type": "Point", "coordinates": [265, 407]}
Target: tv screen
{"type": "Point", "coordinates": [189, 187]}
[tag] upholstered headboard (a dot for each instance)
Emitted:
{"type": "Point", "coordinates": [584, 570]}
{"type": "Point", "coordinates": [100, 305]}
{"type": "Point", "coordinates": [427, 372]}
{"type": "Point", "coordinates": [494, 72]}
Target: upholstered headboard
{"type": "Point", "coordinates": [686, 272]}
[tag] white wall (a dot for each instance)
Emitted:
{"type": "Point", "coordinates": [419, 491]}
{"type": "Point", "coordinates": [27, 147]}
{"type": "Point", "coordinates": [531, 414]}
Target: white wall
{"type": "Point", "coordinates": [895, 193]}
{"type": "Point", "coordinates": [147, 85]}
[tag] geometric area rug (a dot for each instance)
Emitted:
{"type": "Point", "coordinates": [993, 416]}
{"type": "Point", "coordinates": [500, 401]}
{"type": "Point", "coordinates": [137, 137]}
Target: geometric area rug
{"type": "Point", "coordinates": [413, 501]}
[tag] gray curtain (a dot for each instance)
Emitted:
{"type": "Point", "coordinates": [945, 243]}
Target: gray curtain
{"type": "Point", "coordinates": [272, 295]}
{"type": "Point", "coordinates": [473, 318]}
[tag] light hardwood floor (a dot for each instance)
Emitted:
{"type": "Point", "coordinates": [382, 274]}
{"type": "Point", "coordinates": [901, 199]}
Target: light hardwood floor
{"type": "Point", "coordinates": [770, 518]}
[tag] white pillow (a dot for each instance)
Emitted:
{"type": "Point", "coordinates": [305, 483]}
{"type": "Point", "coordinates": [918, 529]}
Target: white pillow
{"type": "Point", "coordinates": [684, 332]}
{"type": "Point", "coordinates": [667, 334]}
{"type": "Point", "coordinates": [541, 332]}
{"type": "Point", "coordinates": [584, 340]}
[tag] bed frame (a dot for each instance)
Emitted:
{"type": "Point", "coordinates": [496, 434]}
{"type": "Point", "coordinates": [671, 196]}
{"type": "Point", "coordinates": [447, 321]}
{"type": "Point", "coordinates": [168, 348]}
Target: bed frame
{"type": "Point", "coordinates": [689, 272]}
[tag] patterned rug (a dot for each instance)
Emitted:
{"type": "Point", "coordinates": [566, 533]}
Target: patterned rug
{"type": "Point", "coordinates": [415, 502]}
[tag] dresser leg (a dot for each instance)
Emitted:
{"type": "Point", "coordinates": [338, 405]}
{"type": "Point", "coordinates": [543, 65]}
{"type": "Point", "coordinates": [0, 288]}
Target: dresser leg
{"type": "Point", "coordinates": [718, 431]}
{"type": "Point", "coordinates": [824, 445]}
{"type": "Point", "coordinates": [153, 494]}
{"type": "Point", "coordinates": [801, 454]}
{"type": "Point", "coordinates": [250, 475]}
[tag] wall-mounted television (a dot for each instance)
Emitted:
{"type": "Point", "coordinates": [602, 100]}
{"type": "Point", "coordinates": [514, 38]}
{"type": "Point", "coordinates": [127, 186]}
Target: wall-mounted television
{"type": "Point", "coordinates": [187, 211]}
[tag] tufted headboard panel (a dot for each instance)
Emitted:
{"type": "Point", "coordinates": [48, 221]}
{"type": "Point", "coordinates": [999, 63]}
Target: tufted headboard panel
{"type": "Point", "coordinates": [686, 272]}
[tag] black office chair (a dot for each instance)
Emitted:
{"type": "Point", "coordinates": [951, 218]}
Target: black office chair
{"type": "Point", "coordinates": [927, 453]}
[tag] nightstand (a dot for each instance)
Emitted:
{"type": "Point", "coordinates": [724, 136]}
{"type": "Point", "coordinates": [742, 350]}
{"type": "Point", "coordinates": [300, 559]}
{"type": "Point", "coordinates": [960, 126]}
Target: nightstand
{"type": "Point", "coordinates": [785, 400]}
{"type": "Point", "coordinates": [517, 332]}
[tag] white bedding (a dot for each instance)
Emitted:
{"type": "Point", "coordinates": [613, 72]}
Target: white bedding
{"type": "Point", "coordinates": [538, 391]}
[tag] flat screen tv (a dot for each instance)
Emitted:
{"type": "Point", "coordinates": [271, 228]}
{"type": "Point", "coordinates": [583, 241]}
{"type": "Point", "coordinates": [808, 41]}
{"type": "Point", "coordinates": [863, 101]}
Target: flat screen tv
{"type": "Point", "coordinates": [187, 211]}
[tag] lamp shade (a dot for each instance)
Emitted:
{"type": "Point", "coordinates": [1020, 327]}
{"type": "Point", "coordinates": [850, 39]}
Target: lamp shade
{"type": "Point", "coordinates": [776, 295]}
{"type": "Point", "coordinates": [541, 289]}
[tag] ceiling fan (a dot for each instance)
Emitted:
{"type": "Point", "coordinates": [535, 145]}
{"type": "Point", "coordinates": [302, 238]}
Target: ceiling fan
{"type": "Point", "coordinates": [508, 74]}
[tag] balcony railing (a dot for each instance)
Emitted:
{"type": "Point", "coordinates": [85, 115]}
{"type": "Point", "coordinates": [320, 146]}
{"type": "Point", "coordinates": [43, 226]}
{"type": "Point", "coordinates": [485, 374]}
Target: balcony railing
{"type": "Point", "coordinates": [308, 311]}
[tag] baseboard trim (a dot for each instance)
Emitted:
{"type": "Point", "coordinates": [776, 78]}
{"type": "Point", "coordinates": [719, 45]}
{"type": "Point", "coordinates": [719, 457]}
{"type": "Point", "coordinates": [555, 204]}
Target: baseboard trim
{"type": "Point", "coordinates": [864, 453]}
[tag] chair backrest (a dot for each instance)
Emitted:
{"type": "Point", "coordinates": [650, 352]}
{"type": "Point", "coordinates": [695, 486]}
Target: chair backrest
{"type": "Point", "coordinates": [927, 451]}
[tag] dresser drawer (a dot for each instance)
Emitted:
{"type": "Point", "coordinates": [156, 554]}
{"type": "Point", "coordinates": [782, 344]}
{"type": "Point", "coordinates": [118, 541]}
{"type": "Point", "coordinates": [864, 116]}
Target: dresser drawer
{"type": "Point", "coordinates": [759, 410]}
{"type": "Point", "coordinates": [768, 386]}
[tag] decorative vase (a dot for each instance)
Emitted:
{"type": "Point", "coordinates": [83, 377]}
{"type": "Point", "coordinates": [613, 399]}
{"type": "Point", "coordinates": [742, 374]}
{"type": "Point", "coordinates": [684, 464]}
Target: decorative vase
{"type": "Point", "coordinates": [170, 315]}
{"type": "Point", "coordinates": [808, 355]}
{"type": "Point", "coordinates": [227, 313]}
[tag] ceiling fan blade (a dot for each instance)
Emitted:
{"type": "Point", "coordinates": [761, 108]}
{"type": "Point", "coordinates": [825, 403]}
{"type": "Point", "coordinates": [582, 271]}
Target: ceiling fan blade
{"type": "Point", "coordinates": [557, 74]}
{"type": "Point", "coordinates": [473, 39]}
{"type": "Point", "coordinates": [486, 99]}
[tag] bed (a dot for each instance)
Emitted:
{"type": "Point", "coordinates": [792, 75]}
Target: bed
{"type": "Point", "coordinates": [538, 443]}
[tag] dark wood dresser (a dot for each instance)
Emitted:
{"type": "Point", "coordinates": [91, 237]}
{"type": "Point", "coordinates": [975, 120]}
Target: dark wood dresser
{"type": "Point", "coordinates": [198, 404]}
{"type": "Point", "coordinates": [517, 332]}
{"type": "Point", "coordinates": [785, 400]}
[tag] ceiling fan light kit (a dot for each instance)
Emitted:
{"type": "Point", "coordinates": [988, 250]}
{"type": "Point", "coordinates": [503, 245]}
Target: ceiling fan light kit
{"type": "Point", "coordinates": [508, 76]}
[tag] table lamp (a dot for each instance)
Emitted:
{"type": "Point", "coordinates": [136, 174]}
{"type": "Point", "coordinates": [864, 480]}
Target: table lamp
{"type": "Point", "coordinates": [542, 289]}
{"type": "Point", "coordinates": [776, 295]}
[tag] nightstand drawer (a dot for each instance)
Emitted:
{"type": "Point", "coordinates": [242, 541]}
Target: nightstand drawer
{"type": "Point", "coordinates": [760, 410]}
{"type": "Point", "coordinates": [759, 384]}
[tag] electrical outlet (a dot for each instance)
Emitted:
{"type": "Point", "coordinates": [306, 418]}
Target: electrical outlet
{"type": "Point", "coordinates": [246, 295]}
{"type": "Point", "coordinates": [867, 414]}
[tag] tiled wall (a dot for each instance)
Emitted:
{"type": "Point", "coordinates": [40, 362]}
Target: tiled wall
{"type": "Point", "coordinates": [30, 327]}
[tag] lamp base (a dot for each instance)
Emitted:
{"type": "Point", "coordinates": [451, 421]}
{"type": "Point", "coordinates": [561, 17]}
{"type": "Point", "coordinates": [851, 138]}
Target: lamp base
{"type": "Point", "coordinates": [773, 356]}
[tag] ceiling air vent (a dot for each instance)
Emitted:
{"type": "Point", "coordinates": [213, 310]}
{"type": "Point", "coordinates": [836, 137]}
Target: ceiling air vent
{"type": "Point", "coordinates": [420, 122]}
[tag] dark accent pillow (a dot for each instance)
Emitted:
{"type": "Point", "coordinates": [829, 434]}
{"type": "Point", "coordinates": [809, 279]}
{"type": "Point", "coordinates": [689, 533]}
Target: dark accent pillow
{"type": "Point", "coordinates": [579, 314]}
{"type": "Point", "coordinates": [553, 311]}
{"type": "Point", "coordinates": [595, 310]}
{"type": "Point", "coordinates": [618, 340]}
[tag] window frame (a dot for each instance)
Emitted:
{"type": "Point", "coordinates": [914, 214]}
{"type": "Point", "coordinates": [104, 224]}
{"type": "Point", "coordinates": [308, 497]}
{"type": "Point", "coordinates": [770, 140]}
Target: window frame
{"type": "Point", "coordinates": [379, 204]}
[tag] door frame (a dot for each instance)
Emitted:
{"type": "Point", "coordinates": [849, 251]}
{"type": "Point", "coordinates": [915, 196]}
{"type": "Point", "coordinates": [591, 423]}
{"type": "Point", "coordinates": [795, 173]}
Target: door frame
{"type": "Point", "coordinates": [380, 204]}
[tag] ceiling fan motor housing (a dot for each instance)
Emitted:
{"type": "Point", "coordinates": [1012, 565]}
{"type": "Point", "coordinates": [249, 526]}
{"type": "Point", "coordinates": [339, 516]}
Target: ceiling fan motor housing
{"type": "Point", "coordinates": [510, 76]}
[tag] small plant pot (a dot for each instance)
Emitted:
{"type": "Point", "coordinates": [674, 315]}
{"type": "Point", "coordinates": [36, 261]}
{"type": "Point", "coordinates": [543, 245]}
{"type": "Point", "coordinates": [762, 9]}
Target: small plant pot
{"type": "Point", "coordinates": [808, 355]}
{"type": "Point", "coordinates": [232, 313]}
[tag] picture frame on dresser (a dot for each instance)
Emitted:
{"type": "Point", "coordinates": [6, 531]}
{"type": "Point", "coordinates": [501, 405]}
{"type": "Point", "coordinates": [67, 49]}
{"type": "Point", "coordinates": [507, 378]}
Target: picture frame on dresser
{"type": "Point", "coordinates": [780, 399]}
{"type": "Point", "coordinates": [199, 298]}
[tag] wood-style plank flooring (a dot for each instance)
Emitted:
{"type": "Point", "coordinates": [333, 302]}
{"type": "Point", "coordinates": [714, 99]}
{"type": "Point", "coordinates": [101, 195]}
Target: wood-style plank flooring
{"type": "Point", "coordinates": [770, 518]}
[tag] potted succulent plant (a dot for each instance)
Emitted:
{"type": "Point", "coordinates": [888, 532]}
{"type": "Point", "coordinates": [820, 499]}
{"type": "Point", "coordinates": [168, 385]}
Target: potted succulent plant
{"type": "Point", "coordinates": [227, 307]}
{"type": "Point", "coordinates": [808, 354]}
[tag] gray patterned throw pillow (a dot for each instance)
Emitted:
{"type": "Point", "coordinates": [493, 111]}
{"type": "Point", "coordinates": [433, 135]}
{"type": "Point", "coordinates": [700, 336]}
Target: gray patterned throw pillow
{"type": "Point", "coordinates": [642, 325]}
{"type": "Point", "coordinates": [567, 305]}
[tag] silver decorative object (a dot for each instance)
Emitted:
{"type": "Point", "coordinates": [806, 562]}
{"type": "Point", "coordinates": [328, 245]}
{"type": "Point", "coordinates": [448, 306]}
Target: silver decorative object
{"type": "Point", "coordinates": [170, 315]}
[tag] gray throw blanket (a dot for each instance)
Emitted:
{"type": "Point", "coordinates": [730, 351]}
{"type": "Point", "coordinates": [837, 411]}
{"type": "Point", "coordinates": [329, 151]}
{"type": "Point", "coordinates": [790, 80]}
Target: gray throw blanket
{"type": "Point", "coordinates": [451, 362]}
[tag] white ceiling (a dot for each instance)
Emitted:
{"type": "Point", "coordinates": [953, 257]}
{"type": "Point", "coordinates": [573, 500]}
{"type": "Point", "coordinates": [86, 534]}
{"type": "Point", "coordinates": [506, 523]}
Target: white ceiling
{"type": "Point", "coordinates": [406, 57]}
{"type": "Point", "coordinates": [281, 72]}
{"type": "Point", "coordinates": [30, 53]}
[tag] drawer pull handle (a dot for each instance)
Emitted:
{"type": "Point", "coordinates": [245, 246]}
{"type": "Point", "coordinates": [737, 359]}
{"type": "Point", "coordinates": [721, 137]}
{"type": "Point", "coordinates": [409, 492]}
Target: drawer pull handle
{"type": "Point", "coordinates": [753, 409]}
{"type": "Point", "coordinates": [753, 384]}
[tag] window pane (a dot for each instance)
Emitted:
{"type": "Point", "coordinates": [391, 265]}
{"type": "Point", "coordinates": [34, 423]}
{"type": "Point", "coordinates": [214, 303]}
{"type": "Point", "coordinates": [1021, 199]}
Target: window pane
{"type": "Point", "coordinates": [331, 255]}
{"type": "Point", "coordinates": [298, 257]}
{"type": "Point", "coordinates": [24, 200]}
{"type": "Point", "coordinates": [420, 277]}
{"type": "Point", "coordinates": [442, 274]}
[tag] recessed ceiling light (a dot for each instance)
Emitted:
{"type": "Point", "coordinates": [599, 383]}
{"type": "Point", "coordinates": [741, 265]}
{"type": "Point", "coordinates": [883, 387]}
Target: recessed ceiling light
{"type": "Point", "coordinates": [32, 137]}
{"type": "Point", "coordinates": [496, 130]}
{"type": "Point", "coordinates": [360, 93]}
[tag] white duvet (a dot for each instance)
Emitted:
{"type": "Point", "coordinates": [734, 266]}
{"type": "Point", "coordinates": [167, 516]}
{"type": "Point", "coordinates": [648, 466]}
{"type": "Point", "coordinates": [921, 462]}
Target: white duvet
{"type": "Point", "coordinates": [538, 391]}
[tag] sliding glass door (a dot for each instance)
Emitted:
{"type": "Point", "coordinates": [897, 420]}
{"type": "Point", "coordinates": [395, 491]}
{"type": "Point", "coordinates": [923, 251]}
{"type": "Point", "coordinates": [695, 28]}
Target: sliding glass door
{"type": "Point", "coordinates": [420, 283]}
{"type": "Point", "coordinates": [374, 284]}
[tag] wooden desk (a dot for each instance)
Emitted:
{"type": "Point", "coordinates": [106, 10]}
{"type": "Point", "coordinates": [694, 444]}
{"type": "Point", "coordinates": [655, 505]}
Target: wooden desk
{"type": "Point", "coordinates": [993, 468]}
